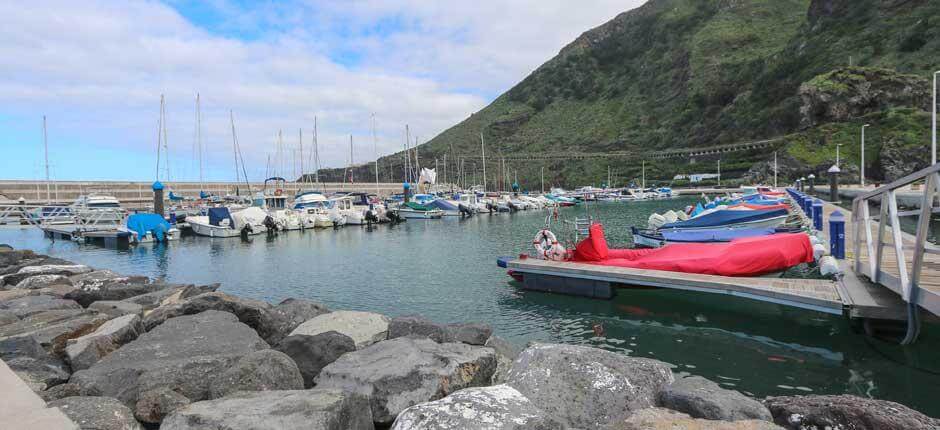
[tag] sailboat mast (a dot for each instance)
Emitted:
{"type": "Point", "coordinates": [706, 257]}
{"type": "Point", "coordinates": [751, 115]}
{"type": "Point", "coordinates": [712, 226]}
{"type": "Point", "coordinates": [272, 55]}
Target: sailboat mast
{"type": "Point", "coordinates": [375, 149]}
{"type": "Point", "coordinates": [159, 138]}
{"type": "Point", "coordinates": [45, 144]}
{"type": "Point", "coordinates": [301, 141]}
{"type": "Point", "coordinates": [483, 152]}
{"type": "Point", "coordinates": [166, 149]}
{"type": "Point", "coordinates": [351, 162]}
{"type": "Point", "coordinates": [234, 150]}
{"type": "Point", "coordinates": [202, 181]}
{"type": "Point", "coordinates": [316, 154]}
{"type": "Point", "coordinates": [407, 155]}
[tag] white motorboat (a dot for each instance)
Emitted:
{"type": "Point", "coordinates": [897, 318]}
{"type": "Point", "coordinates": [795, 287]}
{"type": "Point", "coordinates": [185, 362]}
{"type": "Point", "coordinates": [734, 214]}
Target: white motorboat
{"type": "Point", "coordinates": [97, 209]}
{"type": "Point", "coordinates": [314, 209]}
{"type": "Point", "coordinates": [412, 210]}
{"type": "Point", "coordinates": [219, 222]}
{"type": "Point", "coordinates": [343, 206]}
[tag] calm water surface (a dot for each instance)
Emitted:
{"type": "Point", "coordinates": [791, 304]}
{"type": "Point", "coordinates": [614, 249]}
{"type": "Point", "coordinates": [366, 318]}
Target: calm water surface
{"type": "Point", "coordinates": [446, 271]}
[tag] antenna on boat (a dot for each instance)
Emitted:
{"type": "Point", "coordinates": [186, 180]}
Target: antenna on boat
{"type": "Point", "coordinates": [45, 144]}
{"type": "Point", "coordinates": [407, 155]}
{"type": "Point", "coordinates": [238, 153]}
{"type": "Point", "coordinates": [202, 182]}
{"type": "Point", "coordinates": [351, 172]}
{"type": "Point", "coordinates": [316, 154]}
{"type": "Point", "coordinates": [483, 152]}
{"type": "Point", "coordinates": [375, 148]}
{"type": "Point", "coordinates": [301, 140]}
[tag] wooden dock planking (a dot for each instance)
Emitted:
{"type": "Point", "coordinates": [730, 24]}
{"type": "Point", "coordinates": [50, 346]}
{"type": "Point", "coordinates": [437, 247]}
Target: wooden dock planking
{"type": "Point", "coordinates": [814, 294]}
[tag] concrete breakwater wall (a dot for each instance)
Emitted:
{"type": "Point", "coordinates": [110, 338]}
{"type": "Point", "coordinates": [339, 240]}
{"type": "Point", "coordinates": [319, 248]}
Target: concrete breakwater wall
{"type": "Point", "coordinates": [113, 351]}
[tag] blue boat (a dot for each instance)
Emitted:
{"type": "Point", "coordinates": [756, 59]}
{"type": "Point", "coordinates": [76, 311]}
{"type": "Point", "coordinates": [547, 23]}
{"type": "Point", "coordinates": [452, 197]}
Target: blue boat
{"type": "Point", "coordinates": [150, 227]}
{"type": "Point", "coordinates": [655, 239]}
{"type": "Point", "coordinates": [731, 219]}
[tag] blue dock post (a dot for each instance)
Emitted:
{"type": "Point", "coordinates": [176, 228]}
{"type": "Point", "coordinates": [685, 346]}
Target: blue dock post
{"type": "Point", "coordinates": [818, 214]}
{"type": "Point", "coordinates": [808, 206]}
{"type": "Point", "coordinates": [837, 235]}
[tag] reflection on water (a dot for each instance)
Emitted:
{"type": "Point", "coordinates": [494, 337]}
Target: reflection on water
{"type": "Point", "coordinates": [446, 271]}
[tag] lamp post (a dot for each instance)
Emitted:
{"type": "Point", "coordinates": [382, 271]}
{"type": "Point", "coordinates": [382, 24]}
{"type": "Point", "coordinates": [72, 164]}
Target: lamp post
{"type": "Point", "coordinates": [812, 183]}
{"type": "Point", "coordinates": [839, 145]}
{"type": "Point", "coordinates": [862, 163]}
{"type": "Point", "coordinates": [802, 183]}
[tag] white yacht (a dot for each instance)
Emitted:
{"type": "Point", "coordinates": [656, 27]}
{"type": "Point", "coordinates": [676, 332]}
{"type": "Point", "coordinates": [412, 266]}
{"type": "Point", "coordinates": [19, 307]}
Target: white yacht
{"type": "Point", "coordinates": [95, 208]}
{"type": "Point", "coordinates": [314, 210]}
{"type": "Point", "coordinates": [343, 206]}
{"type": "Point", "coordinates": [219, 222]}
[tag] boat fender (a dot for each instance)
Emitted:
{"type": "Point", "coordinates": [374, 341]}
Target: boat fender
{"type": "Point", "coordinates": [671, 216]}
{"type": "Point", "coordinates": [656, 221]}
{"type": "Point", "coordinates": [829, 266]}
{"type": "Point", "coordinates": [682, 216]}
{"type": "Point", "coordinates": [814, 240]}
{"type": "Point", "coordinates": [818, 251]}
{"type": "Point", "coordinates": [547, 246]}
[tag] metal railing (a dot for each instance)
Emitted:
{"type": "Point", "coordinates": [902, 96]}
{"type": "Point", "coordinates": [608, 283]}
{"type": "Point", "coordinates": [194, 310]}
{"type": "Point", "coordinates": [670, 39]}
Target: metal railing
{"type": "Point", "coordinates": [47, 215]}
{"type": "Point", "coordinates": [906, 281]}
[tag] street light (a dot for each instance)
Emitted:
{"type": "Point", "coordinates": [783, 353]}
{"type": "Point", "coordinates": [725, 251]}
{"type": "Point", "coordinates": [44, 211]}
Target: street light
{"type": "Point", "coordinates": [862, 164]}
{"type": "Point", "coordinates": [933, 140]}
{"type": "Point", "coordinates": [837, 153]}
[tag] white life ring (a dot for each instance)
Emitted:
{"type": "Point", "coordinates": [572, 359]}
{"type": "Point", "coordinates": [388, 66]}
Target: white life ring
{"type": "Point", "coordinates": [547, 246]}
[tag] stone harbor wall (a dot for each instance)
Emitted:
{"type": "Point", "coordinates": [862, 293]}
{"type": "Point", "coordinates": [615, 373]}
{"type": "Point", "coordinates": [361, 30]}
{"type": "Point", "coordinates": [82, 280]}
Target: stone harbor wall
{"type": "Point", "coordinates": [113, 351]}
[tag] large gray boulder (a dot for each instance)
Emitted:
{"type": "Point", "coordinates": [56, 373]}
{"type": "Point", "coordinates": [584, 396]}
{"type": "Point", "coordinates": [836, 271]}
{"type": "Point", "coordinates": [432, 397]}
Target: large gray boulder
{"type": "Point", "coordinates": [666, 419]}
{"type": "Point", "coordinates": [470, 333]}
{"type": "Point", "coordinates": [98, 413]}
{"type": "Point", "coordinates": [153, 405]}
{"type": "Point", "coordinates": [291, 313]}
{"type": "Point", "coordinates": [417, 326]}
{"type": "Point", "coordinates": [587, 387]}
{"type": "Point", "coordinates": [506, 354]}
{"type": "Point", "coordinates": [8, 317]}
{"type": "Point", "coordinates": [263, 370]}
{"type": "Point", "coordinates": [403, 372]}
{"type": "Point", "coordinates": [313, 353]}
{"type": "Point", "coordinates": [365, 328]}
{"type": "Point", "coordinates": [255, 313]}
{"type": "Point", "coordinates": [276, 410]}
{"type": "Point", "coordinates": [817, 412]}
{"type": "Point", "coordinates": [183, 354]}
{"type": "Point", "coordinates": [32, 363]}
{"type": "Point", "coordinates": [116, 308]}
{"type": "Point", "coordinates": [87, 350]}
{"type": "Point", "coordinates": [42, 281]}
{"type": "Point", "coordinates": [60, 391]}
{"type": "Point", "coordinates": [499, 407]}
{"type": "Point", "coordinates": [46, 269]}
{"type": "Point", "coordinates": [54, 328]}
{"type": "Point", "coordinates": [170, 295]}
{"type": "Point", "coordinates": [701, 398]}
{"type": "Point", "coordinates": [31, 305]}
{"type": "Point", "coordinates": [89, 291]}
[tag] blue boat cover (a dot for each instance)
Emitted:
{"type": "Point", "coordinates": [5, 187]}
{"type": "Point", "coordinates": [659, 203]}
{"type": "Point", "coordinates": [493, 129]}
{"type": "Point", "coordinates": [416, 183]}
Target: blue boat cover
{"type": "Point", "coordinates": [216, 215]}
{"type": "Point", "coordinates": [698, 209]}
{"type": "Point", "coordinates": [442, 205]}
{"type": "Point", "coordinates": [175, 197]}
{"type": "Point", "coordinates": [141, 223]}
{"type": "Point", "coordinates": [715, 235]}
{"type": "Point", "coordinates": [724, 218]}
{"type": "Point", "coordinates": [204, 195]}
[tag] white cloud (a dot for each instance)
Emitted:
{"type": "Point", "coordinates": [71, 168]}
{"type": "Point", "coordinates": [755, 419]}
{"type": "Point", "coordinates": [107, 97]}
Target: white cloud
{"type": "Point", "coordinates": [98, 69]}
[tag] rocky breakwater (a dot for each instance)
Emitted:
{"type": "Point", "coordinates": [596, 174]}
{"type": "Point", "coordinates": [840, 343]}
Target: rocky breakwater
{"type": "Point", "coordinates": [119, 352]}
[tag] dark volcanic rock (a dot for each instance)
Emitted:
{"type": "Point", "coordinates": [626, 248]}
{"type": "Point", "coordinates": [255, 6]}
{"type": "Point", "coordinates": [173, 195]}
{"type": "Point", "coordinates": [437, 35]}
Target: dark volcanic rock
{"type": "Point", "coordinates": [32, 363]}
{"type": "Point", "coordinates": [60, 391]}
{"type": "Point", "coordinates": [116, 308]}
{"type": "Point", "coordinates": [91, 291]}
{"type": "Point", "coordinates": [152, 406]}
{"type": "Point", "coordinates": [42, 281]}
{"type": "Point", "coordinates": [45, 269]}
{"type": "Point", "coordinates": [183, 354]}
{"type": "Point", "coordinates": [99, 413]}
{"type": "Point", "coordinates": [256, 314]}
{"type": "Point", "coordinates": [54, 328]}
{"type": "Point", "coordinates": [850, 92]}
{"type": "Point", "coordinates": [415, 325]}
{"type": "Point", "coordinates": [283, 410]}
{"type": "Point", "coordinates": [264, 370]}
{"type": "Point", "coordinates": [7, 317]}
{"type": "Point", "coordinates": [587, 387]}
{"type": "Point", "coordinates": [313, 353]}
{"type": "Point", "coordinates": [85, 351]}
{"type": "Point", "coordinates": [400, 373]}
{"type": "Point", "coordinates": [291, 313]}
{"type": "Point", "coordinates": [847, 412]}
{"type": "Point", "coordinates": [470, 333]}
{"type": "Point", "coordinates": [701, 398]}
{"type": "Point", "coordinates": [172, 294]}
{"type": "Point", "coordinates": [486, 408]}
{"type": "Point", "coordinates": [31, 305]}
{"type": "Point", "coordinates": [506, 353]}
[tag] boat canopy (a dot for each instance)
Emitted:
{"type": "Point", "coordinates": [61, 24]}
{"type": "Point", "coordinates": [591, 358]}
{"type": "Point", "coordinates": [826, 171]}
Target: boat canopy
{"type": "Point", "coordinates": [752, 256]}
{"type": "Point", "coordinates": [725, 218]}
{"type": "Point", "coordinates": [204, 195]}
{"type": "Point", "coordinates": [418, 207]}
{"type": "Point", "coordinates": [715, 234]}
{"type": "Point", "coordinates": [249, 216]}
{"type": "Point", "coordinates": [141, 223]}
{"type": "Point", "coordinates": [175, 198]}
{"type": "Point", "coordinates": [443, 205]}
{"type": "Point", "coordinates": [216, 215]}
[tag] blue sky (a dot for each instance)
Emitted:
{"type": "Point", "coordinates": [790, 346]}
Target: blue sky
{"type": "Point", "coordinates": [97, 70]}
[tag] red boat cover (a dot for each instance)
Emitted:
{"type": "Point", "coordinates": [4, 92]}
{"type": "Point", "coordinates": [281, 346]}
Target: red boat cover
{"type": "Point", "coordinates": [761, 207]}
{"type": "Point", "coordinates": [751, 256]}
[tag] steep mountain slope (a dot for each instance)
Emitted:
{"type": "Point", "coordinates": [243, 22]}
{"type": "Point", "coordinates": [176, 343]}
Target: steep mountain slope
{"type": "Point", "coordinates": [695, 73]}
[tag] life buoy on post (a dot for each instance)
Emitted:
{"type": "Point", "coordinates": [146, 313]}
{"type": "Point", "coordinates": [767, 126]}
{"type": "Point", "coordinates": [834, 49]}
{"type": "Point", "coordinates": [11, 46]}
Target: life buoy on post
{"type": "Point", "coordinates": [547, 246]}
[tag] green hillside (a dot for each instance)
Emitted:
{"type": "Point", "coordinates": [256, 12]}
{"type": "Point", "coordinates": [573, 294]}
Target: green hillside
{"type": "Point", "coordinates": [698, 73]}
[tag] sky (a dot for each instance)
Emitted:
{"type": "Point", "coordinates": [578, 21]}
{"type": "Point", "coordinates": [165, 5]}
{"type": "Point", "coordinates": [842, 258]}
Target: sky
{"type": "Point", "coordinates": [97, 70]}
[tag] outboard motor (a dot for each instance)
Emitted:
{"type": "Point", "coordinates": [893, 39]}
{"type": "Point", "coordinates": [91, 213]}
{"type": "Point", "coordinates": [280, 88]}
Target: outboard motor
{"type": "Point", "coordinates": [464, 210]}
{"type": "Point", "coordinates": [394, 217]}
{"type": "Point", "coordinates": [270, 224]}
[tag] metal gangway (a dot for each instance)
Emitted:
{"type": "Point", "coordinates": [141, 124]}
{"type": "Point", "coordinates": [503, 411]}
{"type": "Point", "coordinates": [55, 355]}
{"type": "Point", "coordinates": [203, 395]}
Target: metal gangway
{"type": "Point", "coordinates": [910, 266]}
{"type": "Point", "coordinates": [63, 218]}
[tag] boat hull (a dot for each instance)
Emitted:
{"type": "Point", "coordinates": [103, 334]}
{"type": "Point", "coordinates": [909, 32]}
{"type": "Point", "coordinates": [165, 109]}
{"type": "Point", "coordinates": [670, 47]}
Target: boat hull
{"type": "Point", "coordinates": [415, 214]}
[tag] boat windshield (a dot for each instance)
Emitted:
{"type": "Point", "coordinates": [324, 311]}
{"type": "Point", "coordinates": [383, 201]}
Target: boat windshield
{"type": "Point", "coordinates": [104, 205]}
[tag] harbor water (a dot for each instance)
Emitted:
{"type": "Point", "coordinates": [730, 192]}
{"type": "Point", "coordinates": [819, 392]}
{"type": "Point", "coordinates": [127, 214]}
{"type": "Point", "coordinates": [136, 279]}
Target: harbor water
{"type": "Point", "coordinates": [446, 271]}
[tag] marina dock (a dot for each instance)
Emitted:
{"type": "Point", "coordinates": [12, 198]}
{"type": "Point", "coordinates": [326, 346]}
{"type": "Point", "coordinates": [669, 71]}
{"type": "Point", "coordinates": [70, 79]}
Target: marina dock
{"type": "Point", "coordinates": [108, 238]}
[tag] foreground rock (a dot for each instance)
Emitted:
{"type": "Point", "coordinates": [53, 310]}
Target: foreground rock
{"type": "Point", "coordinates": [48, 269]}
{"type": "Point", "coordinates": [42, 281]}
{"type": "Point", "coordinates": [845, 411]}
{"type": "Point", "coordinates": [32, 363]}
{"type": "Point", "coordinates": [7, 317]}
{"type": "Point", "coordinates": [506, 353]}
{"type": "Point", "coordinates": [470, 333]}
{"type": "Point", "coordinates": [54, 328]}
{"type": "Point", "coordinates": [60, 391]}
{"type": "Point", "coordinates": [701, 398]}
{"type": "Point", "coordinates": [313, 353]}
{"type": "Point", "coordinates": [587, 387]}
{"type": "Point", "coordinates": [99, 413]}
{"type": "Point", "coordinates": [291, 313]}
{"type": "Point", "coordinates": [264, 370]}
{"type": "Point", "coordinates": [256, 314]}
{"type": "Point", "coordinates": [31, 305]}
{"type": "Point", "coordinates": [400, 373]}
{"type": "Point", "coordinates": [365, 328]}
{"type": "Point", "coordinates": [489, 408]}
{"type": "Point", "coordinates": [86, 350]}
{"type": "Point", "coordinates": [169, 295]}
{"type": "Point", "coordinates": [281, 410]}
{"type": "Point", "coordinates": [88, 291]}
{"type": "Point", "coordinates": [665, 419]}
{"type": "Point", "coordinates": [116, 308]}
{"type": "Point", "coordinates": [417, 326]}
{"type": "Point", "coordinates": [183, 354]}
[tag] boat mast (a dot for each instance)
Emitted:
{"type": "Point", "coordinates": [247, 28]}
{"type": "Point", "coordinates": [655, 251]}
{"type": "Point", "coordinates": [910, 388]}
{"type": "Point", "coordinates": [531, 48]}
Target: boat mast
{"type": "Point", "coordinates": [407, 155]}
{"type": "Point", "coordinates": [202, 182]}
{"type": "Point", "coordinates": [234, 151]}
{"type": "Point", "coordinates": [166, 149]}
{"type": "Point", "coordinates": [542, 175]}
{"type": "Point", "coordinates": [301, 141]}
{"type": "Point", "coordinates": [643, 182]}
{"type": "Point", "coordinates": [159, 137]}
{"type": "Point", "coordinates": [351, 180]}
{"type": "Point", "coordinates": [238, 154]}
{"type": "Point", "coordinates": [45, 144]}
{"type": "Point", "coordinates": [483, 152]}
{"type": "Point", "coordinates": [375, 148]}
{"type": "Point", "coordinates": [316, 155]}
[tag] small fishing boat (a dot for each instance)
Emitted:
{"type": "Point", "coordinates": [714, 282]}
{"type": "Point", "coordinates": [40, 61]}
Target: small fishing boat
{"type": "Point", "coordinates": [412, 210]}
{"type": "Point", "coordinates": [220, 222]}
{"type": "Point", "coordinates": [731, 219]}
{"type": "Point", "coordinates": [648, 238]}
{"type": "Point", "coordinates": [447, 208]}
{"type": "Point", "coordinates": [274, 201]}
{"type": "Point", "coordinates": [343, 205]}
{"type": "Point", "coordinates": [149, 228]}
{"type": "Point", "coordinates": [313, 208]}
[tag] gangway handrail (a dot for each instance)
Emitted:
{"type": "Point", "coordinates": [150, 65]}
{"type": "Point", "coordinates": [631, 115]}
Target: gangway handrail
{"type": "Point", "coordinates": [906, 283]}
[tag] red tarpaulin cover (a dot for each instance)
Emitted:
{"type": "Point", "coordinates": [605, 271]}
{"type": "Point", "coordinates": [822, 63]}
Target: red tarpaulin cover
{"type": "Point", "coordinates": [761, 207]}
{"type": "Point", "coordinates": [752, 256]}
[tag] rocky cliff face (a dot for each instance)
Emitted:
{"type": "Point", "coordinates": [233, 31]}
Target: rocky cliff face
{"type": "Point", "coordinates": [852, 92]}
